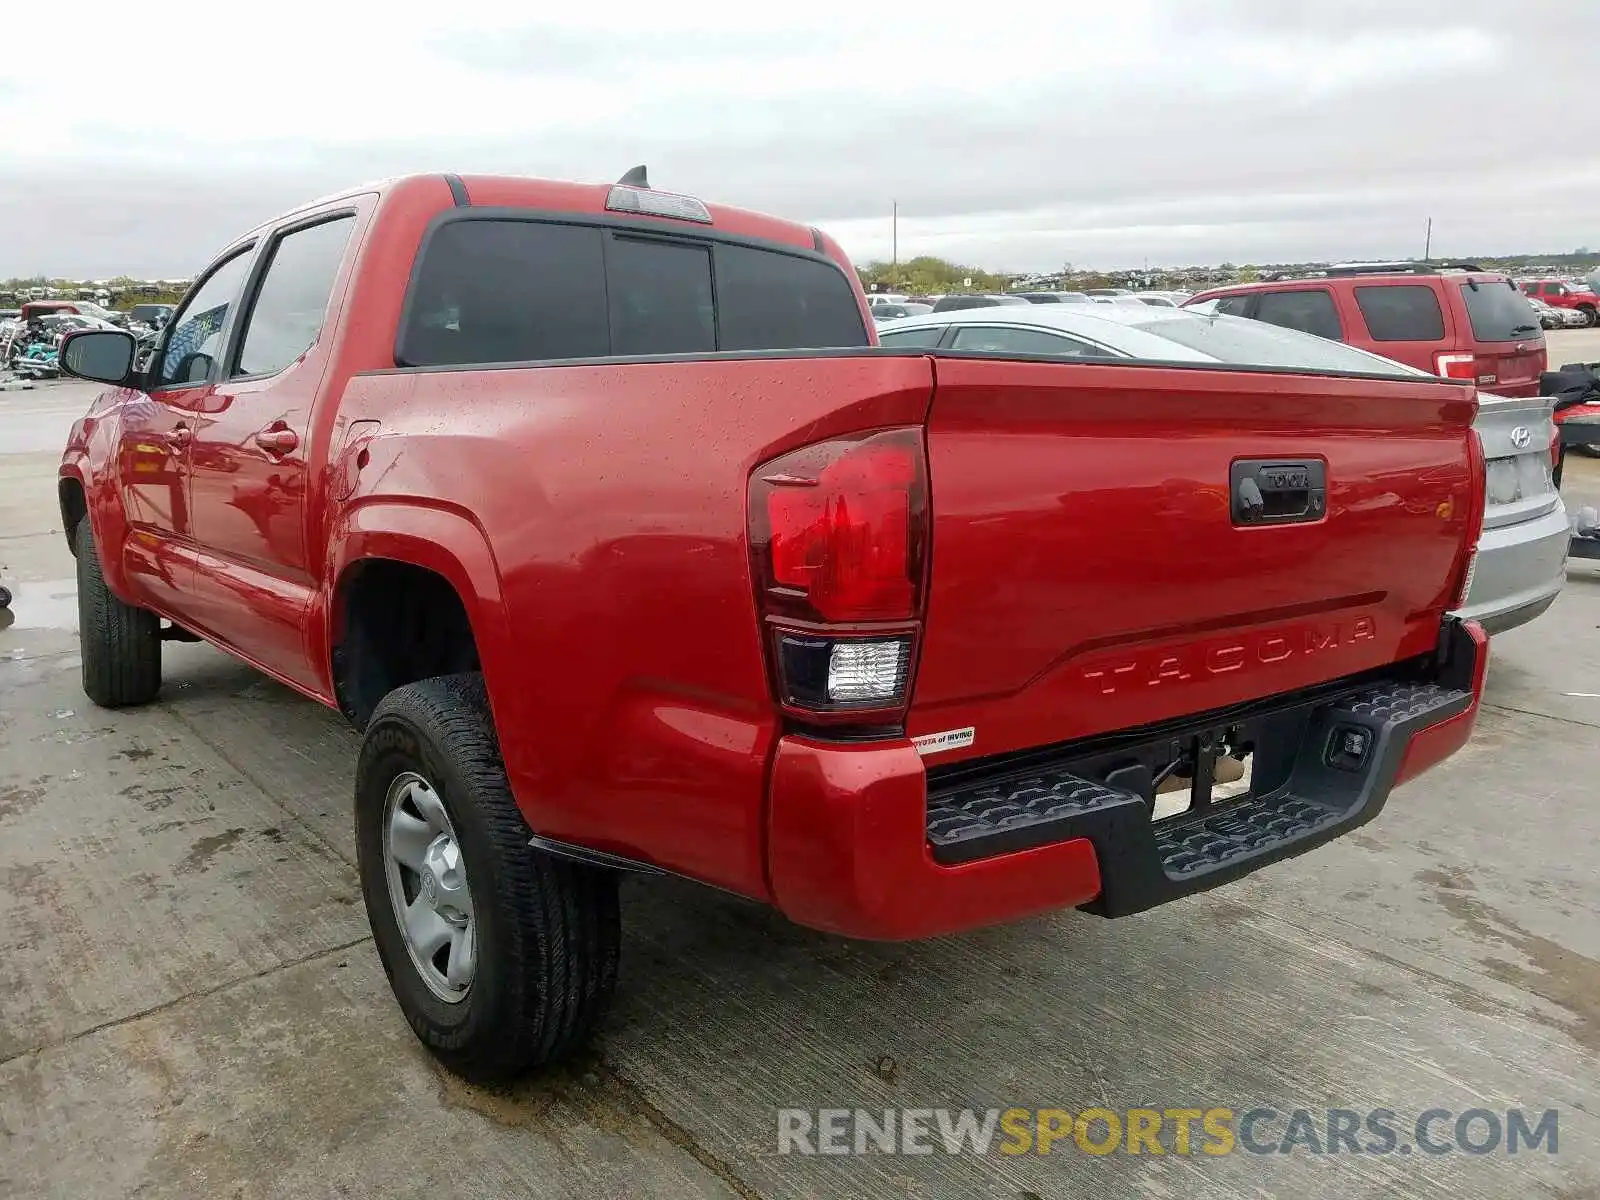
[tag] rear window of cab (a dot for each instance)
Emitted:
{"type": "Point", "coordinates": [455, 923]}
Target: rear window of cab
{"type": "Point", "coordinates": [499, 290]}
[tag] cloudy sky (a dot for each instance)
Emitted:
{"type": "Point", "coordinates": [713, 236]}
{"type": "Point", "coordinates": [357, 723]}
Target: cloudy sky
{"type": "Point", "coordinates": [1015, 135]}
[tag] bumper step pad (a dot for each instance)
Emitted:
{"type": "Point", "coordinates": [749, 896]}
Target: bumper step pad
{"type": "Point", "coordinates": [1313, 793]}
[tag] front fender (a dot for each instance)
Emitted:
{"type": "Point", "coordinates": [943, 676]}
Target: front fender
{"type": "Point", "coordinates": [85, 463]}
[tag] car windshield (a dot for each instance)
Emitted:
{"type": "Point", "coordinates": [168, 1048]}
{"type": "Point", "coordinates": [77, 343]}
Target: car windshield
{"type": "Point", "coordinates": [1246, 343]}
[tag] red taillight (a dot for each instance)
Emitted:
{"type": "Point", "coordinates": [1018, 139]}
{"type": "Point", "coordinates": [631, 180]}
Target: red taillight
{"type": "Point", "coordinates": [1456, 366]}
{"type": "Point", "coordinates": [1477, 497]}
{"type": "Point", "coordinates": [838, 540]}
{"type": "Point", "coordinates": [1555, 446]}
{"type": "Point", "coordinates": [843, 529]}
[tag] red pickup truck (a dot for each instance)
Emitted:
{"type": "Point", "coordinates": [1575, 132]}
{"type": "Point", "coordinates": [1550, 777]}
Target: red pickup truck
{"type": "Point", "coordinates": [601, 513]}
{"type": "Point", "coordinates": [1561, 293]}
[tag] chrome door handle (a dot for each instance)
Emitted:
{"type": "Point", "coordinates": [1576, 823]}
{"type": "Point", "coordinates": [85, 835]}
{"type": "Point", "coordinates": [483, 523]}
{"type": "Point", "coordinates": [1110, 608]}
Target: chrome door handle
{"type": "Point", "coordinates": [277, 441]}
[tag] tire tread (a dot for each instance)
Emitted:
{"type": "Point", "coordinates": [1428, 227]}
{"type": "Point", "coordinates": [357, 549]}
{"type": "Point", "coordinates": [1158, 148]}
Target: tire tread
{"type": "Point", "coordinates": [559, 922]}
{"type": "Point", "coordinates": [121, 644]}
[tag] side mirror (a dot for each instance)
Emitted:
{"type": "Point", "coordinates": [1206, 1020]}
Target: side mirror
{"type": "Point", "coordinates": [101, 355]}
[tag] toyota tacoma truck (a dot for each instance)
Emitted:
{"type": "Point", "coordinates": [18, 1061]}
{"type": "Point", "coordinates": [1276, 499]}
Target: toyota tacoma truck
{"type": "Point", "coordinates": [599, 511]}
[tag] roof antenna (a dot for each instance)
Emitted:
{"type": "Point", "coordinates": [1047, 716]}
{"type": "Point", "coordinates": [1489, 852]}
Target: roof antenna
{"type": "Point", "coordinates": [635, 178]}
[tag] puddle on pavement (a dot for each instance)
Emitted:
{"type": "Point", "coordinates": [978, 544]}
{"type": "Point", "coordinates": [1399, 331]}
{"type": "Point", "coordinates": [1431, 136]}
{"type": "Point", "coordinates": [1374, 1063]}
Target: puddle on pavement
{"type": "Point", "coordinates": [41, 604]}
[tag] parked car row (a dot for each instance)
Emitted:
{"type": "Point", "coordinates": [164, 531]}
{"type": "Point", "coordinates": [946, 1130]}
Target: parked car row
{"type": "Point", "coordinates": [1575, 298]}
{"type": "Point", "coordinates": [1557, 318]}
{"type": "Point", "coordinates": [29, 347]}
{"type": "Point", "coordinates": [894, 306]}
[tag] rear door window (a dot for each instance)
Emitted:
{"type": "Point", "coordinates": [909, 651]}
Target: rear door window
{"type": "Point", "coordinates": [1402, 313]}
{"type": "Point", "coordinates": [1310, 310]}
{"type": "Point", "coordinates": [1498, 312]}
{"type": "Point", "coordinates": [292, 302]}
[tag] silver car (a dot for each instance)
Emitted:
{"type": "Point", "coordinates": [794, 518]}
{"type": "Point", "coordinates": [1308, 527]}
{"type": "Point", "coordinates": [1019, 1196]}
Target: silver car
{"type": "Point", "coordinates": [1520, 566]}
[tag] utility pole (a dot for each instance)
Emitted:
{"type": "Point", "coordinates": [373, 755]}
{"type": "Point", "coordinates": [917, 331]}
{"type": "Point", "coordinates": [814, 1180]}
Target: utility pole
{"type": "Point", "coordinates": [1427, 246]}
{"type": "Point", "coordinates": [894, 242]}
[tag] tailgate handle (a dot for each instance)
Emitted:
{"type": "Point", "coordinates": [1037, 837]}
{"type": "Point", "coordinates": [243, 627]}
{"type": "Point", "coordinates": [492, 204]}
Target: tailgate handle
{"type": "Point", "coordinates": [1275, 491]}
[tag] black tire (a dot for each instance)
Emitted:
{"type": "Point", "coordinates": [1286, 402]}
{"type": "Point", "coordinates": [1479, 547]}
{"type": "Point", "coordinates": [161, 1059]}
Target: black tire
{"type": "Point", "coordinates": [548, 931]}
{"type": "Point", "coordinates": [1592, 318]}
{"type": "Point", "coordinates": [121, 644]}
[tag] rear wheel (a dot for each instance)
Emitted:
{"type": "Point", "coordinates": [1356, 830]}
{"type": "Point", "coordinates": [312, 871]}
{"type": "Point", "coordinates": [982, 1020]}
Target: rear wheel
{"type": "Point", "coordinates": [1591, 317]}
{"type": "Point", "coordinates": [121, 644]}
{"type": "Point", "coordinates": [502, 958]}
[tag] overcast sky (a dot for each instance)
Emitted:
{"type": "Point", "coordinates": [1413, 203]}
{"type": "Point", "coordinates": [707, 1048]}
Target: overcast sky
{"type": "Point", "coordinates": [1015, 135]}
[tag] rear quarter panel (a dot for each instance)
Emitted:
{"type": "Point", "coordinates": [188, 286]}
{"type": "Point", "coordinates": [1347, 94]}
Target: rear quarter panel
{"type": "Point", "coordinates": [621, 651]}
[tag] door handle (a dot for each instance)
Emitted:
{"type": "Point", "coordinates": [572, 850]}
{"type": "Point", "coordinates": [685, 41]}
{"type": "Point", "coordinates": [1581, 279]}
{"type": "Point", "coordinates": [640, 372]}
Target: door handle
{"type": "Point", "coordinates": [181, 435]}
{"type": "Point", "coordinates": [277, 441]}
{"type": "Point", "coordinates": [1278, 492]}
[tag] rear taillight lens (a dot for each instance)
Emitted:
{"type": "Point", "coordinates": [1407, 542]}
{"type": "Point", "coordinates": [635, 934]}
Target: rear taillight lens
{"type": "Point", "coordinates": [1456, 366]}
{"type": "Point", "coordinates": [838, 537]}
{"type": "Point", "coordinates": [838, 528]}
{"type": "Point", "coordinates": [1477, 498]}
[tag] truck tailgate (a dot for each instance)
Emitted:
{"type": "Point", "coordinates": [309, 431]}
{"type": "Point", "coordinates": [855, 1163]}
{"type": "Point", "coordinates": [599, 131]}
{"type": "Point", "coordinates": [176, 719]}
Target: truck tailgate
{"type": "Point", "coordinates": [1120, 545]}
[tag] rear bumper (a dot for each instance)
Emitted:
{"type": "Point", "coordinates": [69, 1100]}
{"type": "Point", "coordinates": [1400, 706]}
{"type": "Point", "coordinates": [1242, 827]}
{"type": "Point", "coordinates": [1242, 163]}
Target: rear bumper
{"type": "Point", "coordinates": [1519, 571]}
{"type": "Point", "coordinates": [860, 844]}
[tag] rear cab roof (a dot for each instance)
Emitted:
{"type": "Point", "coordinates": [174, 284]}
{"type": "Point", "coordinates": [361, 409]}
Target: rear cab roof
{"type": "Point", "coordinates": [559, 197]}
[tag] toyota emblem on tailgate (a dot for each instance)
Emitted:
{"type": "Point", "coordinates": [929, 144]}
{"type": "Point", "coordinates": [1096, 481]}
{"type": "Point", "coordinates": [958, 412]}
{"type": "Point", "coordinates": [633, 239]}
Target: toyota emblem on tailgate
{"type": "Point", "coordinates": [1521, 437]}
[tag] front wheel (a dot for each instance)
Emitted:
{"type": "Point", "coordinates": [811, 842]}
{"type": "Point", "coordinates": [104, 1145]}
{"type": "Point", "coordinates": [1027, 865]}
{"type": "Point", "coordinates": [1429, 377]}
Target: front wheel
{"type": "Point", "coordinates": [501, 957]}
{"type": "Point", "coordinates": [1591, 317]}
{"type": "Point", "coordinates": [120, 644]}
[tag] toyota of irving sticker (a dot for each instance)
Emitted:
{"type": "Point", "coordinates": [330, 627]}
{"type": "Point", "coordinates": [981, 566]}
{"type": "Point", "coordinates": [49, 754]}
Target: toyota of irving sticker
{"type": "Point", "coordinates": [950, 739]}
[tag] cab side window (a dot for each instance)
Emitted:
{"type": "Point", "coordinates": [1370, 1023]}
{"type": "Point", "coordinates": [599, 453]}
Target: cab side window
{"type": "Point", "coordinates": [194, 338]}
{"type": "Point", "coordinates": [292, 303]}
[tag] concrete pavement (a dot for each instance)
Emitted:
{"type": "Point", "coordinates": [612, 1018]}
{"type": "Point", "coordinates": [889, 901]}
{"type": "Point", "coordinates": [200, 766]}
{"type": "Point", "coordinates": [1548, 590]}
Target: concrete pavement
{"type": "Point", "coordinates": [189, 1005]}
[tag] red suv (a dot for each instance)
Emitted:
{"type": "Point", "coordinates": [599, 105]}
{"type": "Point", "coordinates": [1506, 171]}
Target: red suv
{"type": "Point", "coordinates": [1458, 321]}
{"type": "Point", "coordinates": [1558, 293]}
